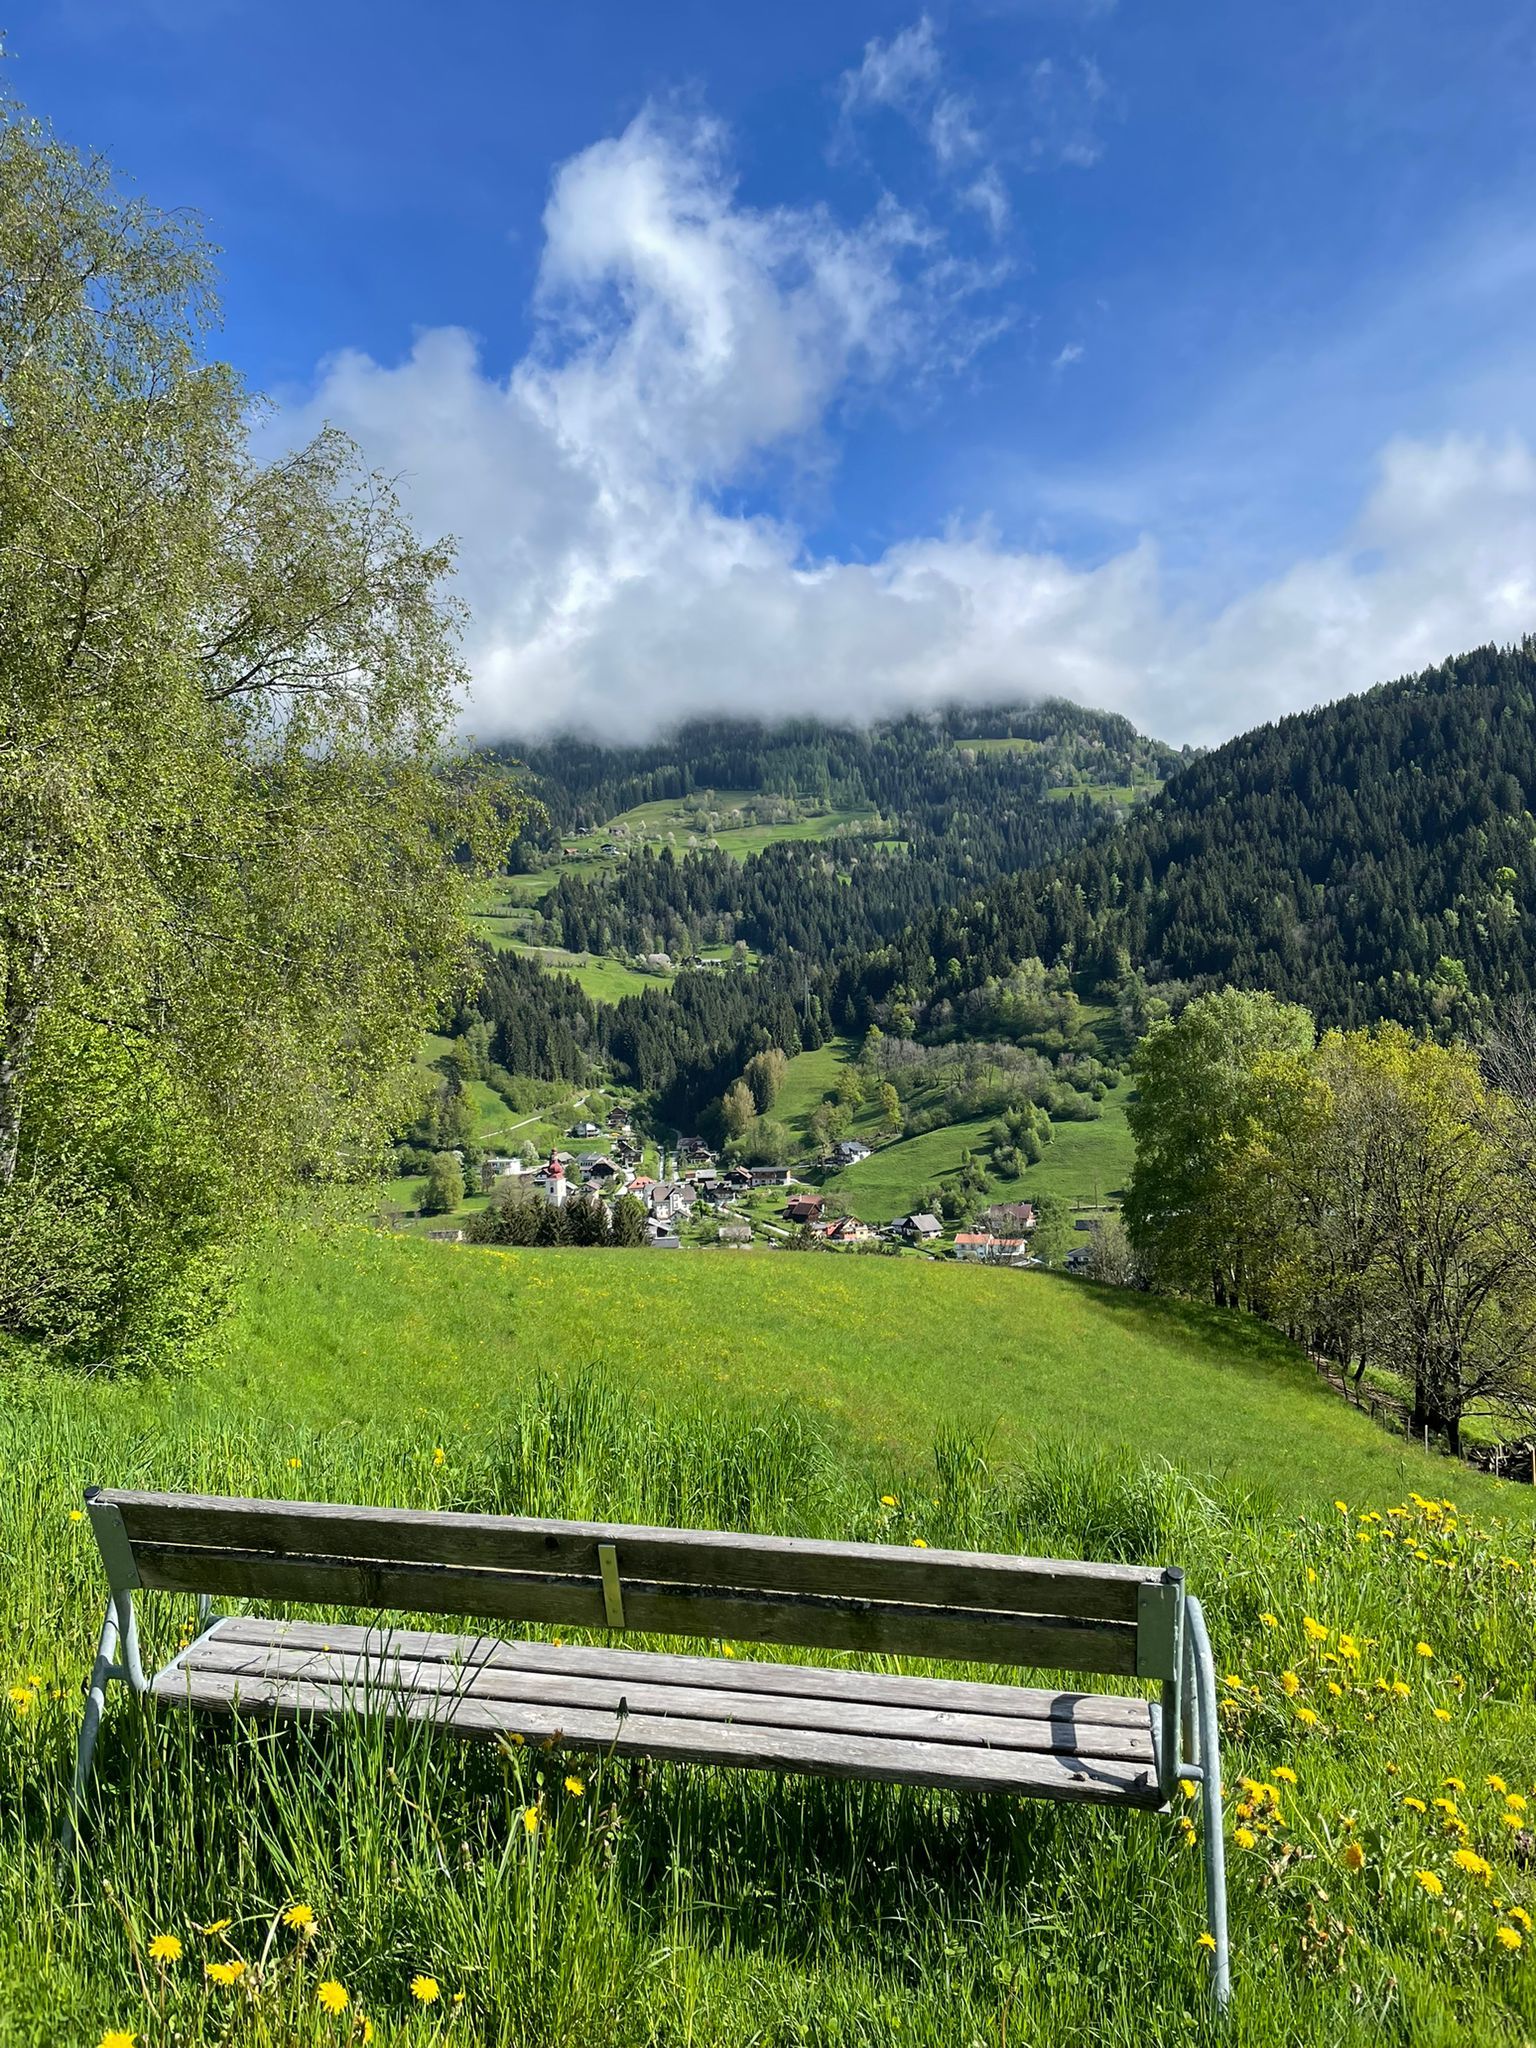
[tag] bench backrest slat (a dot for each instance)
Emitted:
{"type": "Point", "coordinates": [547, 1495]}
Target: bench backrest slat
{"type": "Point", "coordinates": [874, 1598]}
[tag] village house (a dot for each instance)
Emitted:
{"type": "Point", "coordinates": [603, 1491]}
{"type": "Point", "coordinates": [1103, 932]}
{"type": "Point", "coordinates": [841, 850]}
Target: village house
{"type": "Point", "coordinates": [849, 1151]}
{"type": "Point", "coordinates": [803, 1209]}
{"type": "Point", "coordinates": [847, 1230]}
{"type": "Point", "coordinates": [586, 1129]}
{"type": "Point", "coordinates": [768, 1176]}
{"type": "Point", "coordinates": [737, 1234]}
{"type": "Point", "coordinates": [1010, 1219]}
{"type": "Point", "coordinates": [982, 1247]}
{"type": "Point", "coordinates": [669, 1201]}
{"type": "Point", "coordinates": [918, 1229]}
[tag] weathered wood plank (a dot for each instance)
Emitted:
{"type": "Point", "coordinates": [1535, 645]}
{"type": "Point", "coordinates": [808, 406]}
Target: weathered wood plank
{"type": "Point", "coordinates": [887, 1628]}
{"type": "Point", "coordinates": [946, 1578]}
{"type": "Point", "coordinates": [815, 1752]}
{"type": "Point", "coordinates": [387, 1670]}
{"type": "Point", "coordinates": [879, 1688]}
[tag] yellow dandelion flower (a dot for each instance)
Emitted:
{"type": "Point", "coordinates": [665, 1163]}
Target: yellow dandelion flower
{"type": "Point", "coordinates": [530, 1820]}
{"type": "Point", "coordinates": [1414, 1805]}
{"type": "Point", "coordinates": [1188, 1787]}
{"type": "Point", "coordinates": [426, 1990]}
{"type": "Point", "coordinates": [1507, 1937]}
{"type": "Point", "coordinates": [1515, 1801]}
{"type": "Point", "coordinates": [1422, 1650]}
{"type": "Point", "coordinates": [1206, 1941]}
{"type": "Point", "coordinates": [1313, 1630]}
{"type": "Point", "coordinates": [1512, 1820]}
{"type": "Point", "coordinates": [1473, 1864]}
{"type": "Point", "coordinates": [78, 1515]}
{"type": "Point", "coordinates": [575, 1786]}
{"type": "Point", "coordinates": [919, 1542]}
{"type": "Point", "coordinates": [1290, 1684]}
{"type": "Point", "coordinates": [1244, 1837]}
{"type": "Point", "coordinates": [887, 1500]}
{"type": "Point", "coordinates": [1520, 1914]}
{"type": "Point", "coordinates": [1430, 1882]}
{"type": "Point", "coordinates": [1454, 1784]}
{"type": "Point", "coordinates": [1270, 1620]}
{"type": "Point", "coordinates": [294, 1464]}
{"type": "Point", "coordinates": [217, 1926]}
{"type": "Point", "coordinates": [1495, 1783]}
{"type": "Point", "coordinates": [22, 1699]}
{"type": "Point", "coordinates": [332, 1996]}
{"type": "Point", "coordinates": [1342, 1506]}
{"type": "Point", "coordinates": [1285, 1774]}
{"type": "Point", "coordinates": [1306, 1717]}
{"type": "Point", "coordinates": [226, 1973]}
{"type": "Point", "coordinates": [118, 2037]}
{"type": "Point", "coordinates": [1444, 1805]}
{"type": "Point", "coordinates": [1335, 1691]}
{"type": "Point", "coordinates": [165, 1948]}
{"type": "Point", "coordinates": [300, 1917]}
{"type": "Point", "coordinates": [1403, 1691]}
{"type": "Point", "coordinates": [1354, 1856]}
{"type": "Point", "coordinates": [1442, 1713]}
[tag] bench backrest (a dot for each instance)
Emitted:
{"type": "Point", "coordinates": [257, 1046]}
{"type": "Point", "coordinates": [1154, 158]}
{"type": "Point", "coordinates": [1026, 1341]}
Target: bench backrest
{"type": "Point", "coordinates": [1120, 1620]}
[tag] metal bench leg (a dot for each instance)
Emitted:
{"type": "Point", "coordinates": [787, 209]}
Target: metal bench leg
{"type": "Point", "coordinates": [1213, 1842]}
{"type": "Point", "coordinates": [119, 1634]}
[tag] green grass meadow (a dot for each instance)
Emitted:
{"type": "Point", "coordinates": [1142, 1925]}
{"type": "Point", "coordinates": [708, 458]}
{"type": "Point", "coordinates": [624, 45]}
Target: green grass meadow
{"type": "Point", "coordinates": [673, 1906]}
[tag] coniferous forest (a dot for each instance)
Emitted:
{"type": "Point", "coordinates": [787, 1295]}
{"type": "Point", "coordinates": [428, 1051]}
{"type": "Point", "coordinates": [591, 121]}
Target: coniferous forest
{"type": "Point", "coordinates": [1369, 859]}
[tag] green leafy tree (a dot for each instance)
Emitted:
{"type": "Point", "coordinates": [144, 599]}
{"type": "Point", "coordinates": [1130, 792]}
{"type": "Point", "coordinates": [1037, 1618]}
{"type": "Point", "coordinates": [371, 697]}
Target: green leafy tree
{"type": "Point", "coordinates": [237, 852]}
{"type": "Point", "coordinates": [1203, 1193]}
{"type": "Point", "coordinates": [629, 1221]}
{"type": "Point", "coordinates": [764, 1075]}
{"type": "Point", "coordinates": [444, 1190]}
{"type": "Point", "coordinates": [737, 1108]}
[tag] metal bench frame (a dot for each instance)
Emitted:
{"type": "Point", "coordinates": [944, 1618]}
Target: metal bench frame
{"type": "Point", "coordinates": [1136, 1621]}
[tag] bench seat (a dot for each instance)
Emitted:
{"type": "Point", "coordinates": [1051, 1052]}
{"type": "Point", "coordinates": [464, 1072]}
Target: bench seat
{"type": "Point", "coordinates": [751, 1714]}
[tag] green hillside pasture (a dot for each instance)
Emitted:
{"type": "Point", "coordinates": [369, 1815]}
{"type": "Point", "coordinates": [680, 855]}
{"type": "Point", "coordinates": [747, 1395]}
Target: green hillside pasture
{"type": "Point", "coordinates": [603, 1907]}
{"type": "Point", "coordinates": [604, 979]}
{"type": "Point", "coordinates": [1081, 1158]}
{"type": "Point", "coordinates": [667, 819]}
{"type": "Point", "coordinates": [810, 1078]}
{"type": "Point", "coordinates": [1120, 794]}
{"type": "Point", "coordinates": [364, 1324]}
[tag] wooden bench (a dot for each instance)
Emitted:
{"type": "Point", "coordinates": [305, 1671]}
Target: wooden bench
{"type": "Point", "coordinates": [1112, 1749]}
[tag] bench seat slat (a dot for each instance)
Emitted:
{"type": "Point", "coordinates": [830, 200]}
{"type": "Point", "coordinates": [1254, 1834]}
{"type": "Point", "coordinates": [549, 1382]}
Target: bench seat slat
{"type": "Point", "coordinates": [737, 1674]}
{"type": "Point", "coordinates": [802, 1620]}
{"type": "Point", "coordinates": [818, 1752]}
{"type": "Point", "coordinates": [947, 1578]}
{"type": "Point", "coordinates": [390, 1668]}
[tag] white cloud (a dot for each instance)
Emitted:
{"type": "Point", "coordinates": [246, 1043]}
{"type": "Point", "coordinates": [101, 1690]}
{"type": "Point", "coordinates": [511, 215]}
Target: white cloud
{"type": "Point", "coordinates": [1064, 357]}
{"type": "Point", "coordinates": [899, 73]}
{"type": "Point", "coordinates": [687, 345]}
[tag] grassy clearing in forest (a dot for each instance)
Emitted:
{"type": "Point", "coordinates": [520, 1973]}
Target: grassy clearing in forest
{"type": "Point", "coordinates": [604, 1907]}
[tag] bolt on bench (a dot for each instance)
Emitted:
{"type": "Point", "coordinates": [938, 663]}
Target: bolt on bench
{"type": "Point", "coordinates": [1112, 1749]}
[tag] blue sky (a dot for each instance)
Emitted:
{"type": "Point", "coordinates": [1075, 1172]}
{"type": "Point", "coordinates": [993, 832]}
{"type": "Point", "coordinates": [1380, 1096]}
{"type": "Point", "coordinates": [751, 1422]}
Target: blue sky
{"type": "Point", "coordinates": [1176, 358]}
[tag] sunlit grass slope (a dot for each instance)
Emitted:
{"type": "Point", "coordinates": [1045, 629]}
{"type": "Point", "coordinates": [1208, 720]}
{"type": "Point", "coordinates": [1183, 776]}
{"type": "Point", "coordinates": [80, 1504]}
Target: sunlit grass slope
{"type": "Point", "coordinates": [363, 1326]}
{"type": "Point", "coordinates": [1378, 1722]}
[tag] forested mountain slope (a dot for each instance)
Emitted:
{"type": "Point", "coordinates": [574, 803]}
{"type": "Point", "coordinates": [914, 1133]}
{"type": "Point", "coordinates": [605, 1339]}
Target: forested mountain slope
{"type": "Point", "coordinates": [1372, 858]}
{"type": "Point", "coordinates": [899, 767]}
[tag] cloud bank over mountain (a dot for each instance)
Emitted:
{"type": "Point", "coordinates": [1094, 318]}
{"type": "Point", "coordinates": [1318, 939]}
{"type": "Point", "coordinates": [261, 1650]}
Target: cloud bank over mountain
{"type": "Point", "coordinates": [620, 495]}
